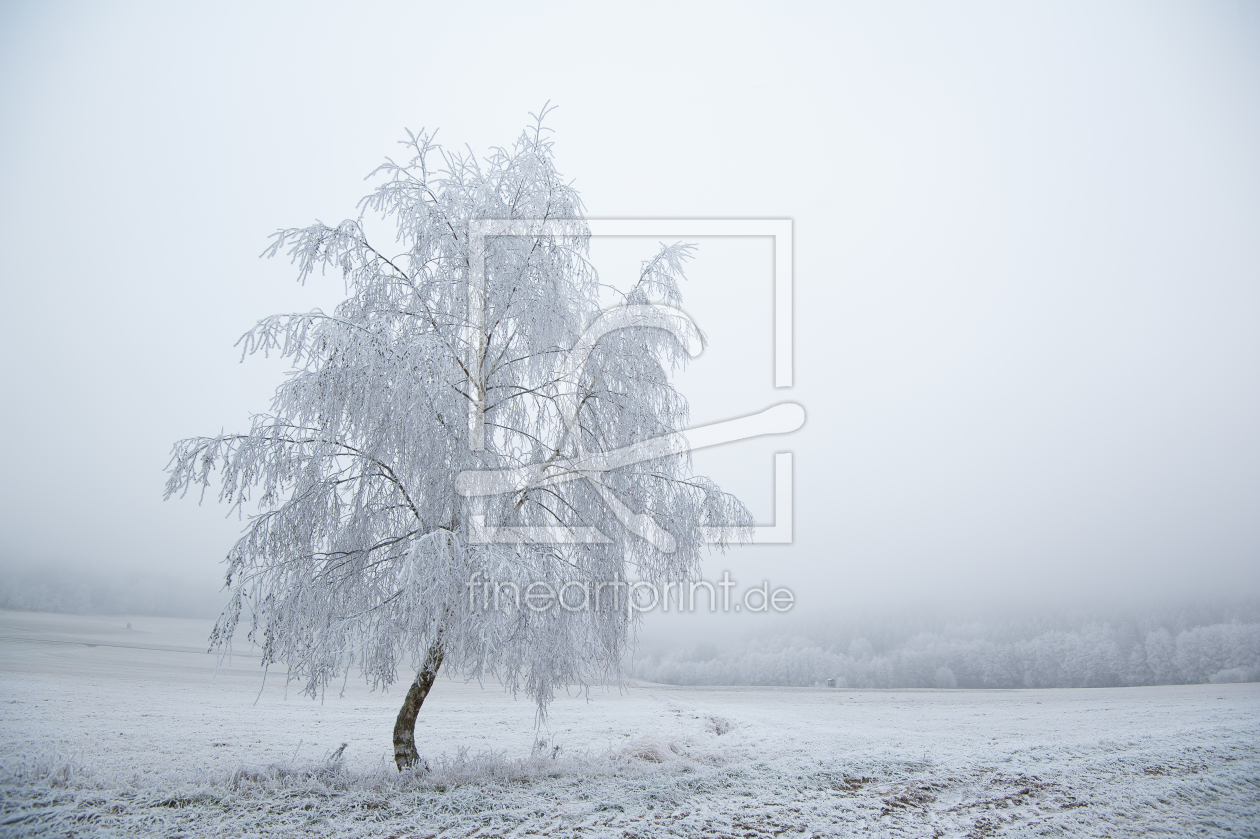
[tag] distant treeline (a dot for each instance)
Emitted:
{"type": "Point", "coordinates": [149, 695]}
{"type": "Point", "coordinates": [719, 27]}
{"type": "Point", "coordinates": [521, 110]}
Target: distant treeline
{"type": "Point", "coordinates": [1161, 646]}
{"type": "Point", "coordinates": [80, 589]}
{"type": "Point", "coordinates": [1167, 644]}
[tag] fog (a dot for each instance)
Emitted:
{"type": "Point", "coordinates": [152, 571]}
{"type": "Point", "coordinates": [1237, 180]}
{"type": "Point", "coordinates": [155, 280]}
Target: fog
{"type": "Point", "coordinates": [1027, 267]}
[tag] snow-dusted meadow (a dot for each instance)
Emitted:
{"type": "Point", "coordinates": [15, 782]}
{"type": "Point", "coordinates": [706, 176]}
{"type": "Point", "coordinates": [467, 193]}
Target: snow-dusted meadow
{"type": "Point", "coordinates": [114, 731]}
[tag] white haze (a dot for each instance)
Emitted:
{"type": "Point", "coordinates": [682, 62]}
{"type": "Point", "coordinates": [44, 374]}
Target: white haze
{"type": "Point", "coordinates": [1027, 307]}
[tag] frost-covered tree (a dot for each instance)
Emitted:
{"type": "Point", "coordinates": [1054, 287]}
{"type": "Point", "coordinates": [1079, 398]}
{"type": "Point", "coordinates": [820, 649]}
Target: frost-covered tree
{"type": "Point", "coordinates": [454, 355]}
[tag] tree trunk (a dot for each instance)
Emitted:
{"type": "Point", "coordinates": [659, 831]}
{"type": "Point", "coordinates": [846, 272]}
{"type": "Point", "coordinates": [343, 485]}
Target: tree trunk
{"type": "Point", "coordinates": [405, 754]}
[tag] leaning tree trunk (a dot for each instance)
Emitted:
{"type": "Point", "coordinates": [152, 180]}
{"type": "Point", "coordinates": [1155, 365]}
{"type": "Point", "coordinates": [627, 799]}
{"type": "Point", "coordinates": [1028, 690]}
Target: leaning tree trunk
{"type": "Point", "coordinates": [405, 754]}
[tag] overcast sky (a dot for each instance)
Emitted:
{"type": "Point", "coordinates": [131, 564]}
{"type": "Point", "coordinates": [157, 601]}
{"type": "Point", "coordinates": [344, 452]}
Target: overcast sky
{"type": "Point", "coordinates": [1027, 243]}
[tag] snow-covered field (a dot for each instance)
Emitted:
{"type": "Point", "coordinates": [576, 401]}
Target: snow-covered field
{"type": "Point", "coordinates": [114, 731]}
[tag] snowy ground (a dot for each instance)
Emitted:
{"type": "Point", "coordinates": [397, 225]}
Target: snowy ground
{"type": "Point", "coordinates": [113, 731]}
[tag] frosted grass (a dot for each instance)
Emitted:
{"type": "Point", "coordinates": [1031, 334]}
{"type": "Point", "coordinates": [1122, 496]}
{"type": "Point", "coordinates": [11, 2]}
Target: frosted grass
{"type": "Point", "coordinates": [650, 794]}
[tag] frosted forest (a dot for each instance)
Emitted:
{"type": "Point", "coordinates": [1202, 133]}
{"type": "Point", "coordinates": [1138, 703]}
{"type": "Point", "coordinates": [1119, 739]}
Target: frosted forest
{"type": "Point", "coordinates": [1206, 642]}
